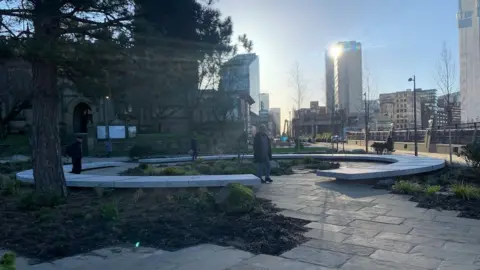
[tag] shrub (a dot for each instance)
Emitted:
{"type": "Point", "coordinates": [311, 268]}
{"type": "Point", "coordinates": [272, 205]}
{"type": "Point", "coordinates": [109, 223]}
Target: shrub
{"type": "Point", "coordinates": [235, 198]}
{"type": "Point", "coordinates": [203, 168]}
{"type": "Point", "coordinates": [109, 211]}
{"type": "Point", "coordinates": [230, 170]}
{"type": "Point", "coordinates": [172, 171]}
{"type": "Point", "coordinates": [139, 151]}
{"type": "Point", "coordinates": [8, 186]}
{"type": "Point", "coordinates": [144, 166]}
{"type": "Point", "coordinates": [466, 191]}
{"type": "Point", "coordinates": [33, 200]}
{"type": "Point", "coordinates": [406, 187]}
{"type": "Point", "coordinates": [7, 261]}
{"type": "Point", "coordinates": [308, 160]}
{"type": "Point", "coordinates": [432, 190]}
{"type": "Point", "coordinates": [471, 154]}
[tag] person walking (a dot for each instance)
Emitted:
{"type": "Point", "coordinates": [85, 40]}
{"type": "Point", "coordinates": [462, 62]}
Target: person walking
{"type": "Point", "coordinates": [75, 152]}
{"type": "Point", "coordinates": [194, 148]}
{"type": "Point", "coordinates": [108, 147]}
{"type": "Point", "coordinates": [262, 154]}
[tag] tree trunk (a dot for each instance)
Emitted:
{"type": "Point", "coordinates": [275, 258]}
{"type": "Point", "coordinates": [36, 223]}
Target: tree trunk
{"type": "Point", "coordinates": [46, 156]}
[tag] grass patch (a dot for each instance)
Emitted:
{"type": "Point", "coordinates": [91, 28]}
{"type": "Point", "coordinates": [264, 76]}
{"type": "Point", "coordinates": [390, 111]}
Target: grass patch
{"type": "Point", "coordinates": [15, 145]}
{"type": "Point", "coordinates": [466, 191]}
{"type": "Point", "coordinates": [432, 190]}
{"type": "Point", "coordinates": [406, 187]}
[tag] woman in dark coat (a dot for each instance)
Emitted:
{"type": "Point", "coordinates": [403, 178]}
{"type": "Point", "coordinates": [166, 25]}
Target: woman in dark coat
{"type": "Point", "coordinates": [262, 154]}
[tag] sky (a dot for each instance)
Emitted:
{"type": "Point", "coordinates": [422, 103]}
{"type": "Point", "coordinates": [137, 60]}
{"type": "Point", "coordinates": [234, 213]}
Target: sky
{"type": "Point", "coordinates": [399, 38]}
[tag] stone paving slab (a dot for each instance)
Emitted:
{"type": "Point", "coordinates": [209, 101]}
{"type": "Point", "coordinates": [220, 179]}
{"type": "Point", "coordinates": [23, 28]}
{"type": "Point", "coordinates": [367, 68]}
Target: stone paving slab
{"type": "Point", "coordinates": [417, 240]}
{"type": "Point", "coordinates": [326, 235]}
{"type": "Point", "coordinates": [363, 263]}
{"type": "Point", "coordinates": [385, 244]}
{"type": "Point", "coordinates": [317, 256]}
{"type": "Point", "coordinates": [361, 231]}
{"type": "Point", "coordinates": [445, 255]}
{"type": "Point", "coordinates": [389, 219]}
{"type": "Point", "coordinates": [408, 259]}
{"type": "Point", "coordinates": [340, 247]}
{"type": "Point", "coordinates": [382, 226]}
{"type": "Point", "coordinates": [267, 262]}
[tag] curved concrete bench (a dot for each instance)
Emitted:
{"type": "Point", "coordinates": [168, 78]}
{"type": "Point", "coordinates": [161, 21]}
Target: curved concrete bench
{"type": "Point", "coordinates": [331, 157]}
{"type": "Point", "coordinates": [118, 181]}
{"type": "Point", "coordinates": [399, 165]}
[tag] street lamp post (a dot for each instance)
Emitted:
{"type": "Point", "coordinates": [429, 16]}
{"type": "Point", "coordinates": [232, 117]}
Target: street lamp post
{"type": "Point", "coordinates": [414, 114]}
{"type": "Point", "coordinates": [107, 129]}
{"type": "Point", "coordinates": [366, 123]}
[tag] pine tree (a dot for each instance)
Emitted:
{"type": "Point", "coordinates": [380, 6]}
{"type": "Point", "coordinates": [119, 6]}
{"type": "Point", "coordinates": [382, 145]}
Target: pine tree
{"type": "Point", "coordinates": [58, 37]}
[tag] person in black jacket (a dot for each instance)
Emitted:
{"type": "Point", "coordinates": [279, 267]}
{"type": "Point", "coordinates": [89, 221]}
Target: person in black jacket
{"type": "Point", "coordinates": [194, 147]}
{"type": "Point", "coordinates": [262, 153]}
{"type": "Point", "coordinates": [75, 152]}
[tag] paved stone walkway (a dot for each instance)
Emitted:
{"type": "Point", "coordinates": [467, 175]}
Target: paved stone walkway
{"type": "Point", "coordinates": [352, 227]}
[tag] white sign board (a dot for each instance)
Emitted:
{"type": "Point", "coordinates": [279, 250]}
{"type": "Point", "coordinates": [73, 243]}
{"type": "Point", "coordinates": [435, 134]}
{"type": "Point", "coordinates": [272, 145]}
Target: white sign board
{"type": "Point", "coordinates": [101, 132]}
{"type": "Point", "coordinates": [117, 132]}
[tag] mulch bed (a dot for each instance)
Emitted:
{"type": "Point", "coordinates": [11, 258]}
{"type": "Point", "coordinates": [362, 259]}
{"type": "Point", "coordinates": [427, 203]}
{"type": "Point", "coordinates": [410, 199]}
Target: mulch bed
{"type": "Point", "coordinates": [467, 208]}
{"type": "Point", "coordinates": [164, 219]}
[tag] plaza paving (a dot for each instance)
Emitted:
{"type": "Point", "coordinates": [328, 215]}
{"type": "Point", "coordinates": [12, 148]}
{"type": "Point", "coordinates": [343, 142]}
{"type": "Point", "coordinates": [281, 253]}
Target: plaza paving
{"type": "Point", "coordinates": [352, 227]}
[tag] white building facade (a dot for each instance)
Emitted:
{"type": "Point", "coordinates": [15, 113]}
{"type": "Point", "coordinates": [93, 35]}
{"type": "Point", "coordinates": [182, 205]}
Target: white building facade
{"type": "Point", "coordinates": [468, 18]}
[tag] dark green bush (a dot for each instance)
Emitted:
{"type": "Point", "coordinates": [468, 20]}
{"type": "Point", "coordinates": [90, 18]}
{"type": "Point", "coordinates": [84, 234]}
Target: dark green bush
{"type": "Point", "coordinates": [172, 171]}
{"type": "Point", "coordinates": [406, 187]}
{"type": "Point", "coordinates": [7, 261]}
{"type": "Point", "coordinates": [308, 160]}
{"type": "Point", "coordinates": [33, 200]}
{"type": "Point", "coordinates": [471, 154]}
{"type": "Point", "coordinates": [140, 151]}
{"type": "Point", "coordinates": [235, 198]}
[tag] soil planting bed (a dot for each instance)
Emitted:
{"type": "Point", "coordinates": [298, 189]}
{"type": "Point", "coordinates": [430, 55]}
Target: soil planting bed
{"type": "Point", "coordinates": [174, 219]}
{"type": "Point", "coordinates": [467, 208]}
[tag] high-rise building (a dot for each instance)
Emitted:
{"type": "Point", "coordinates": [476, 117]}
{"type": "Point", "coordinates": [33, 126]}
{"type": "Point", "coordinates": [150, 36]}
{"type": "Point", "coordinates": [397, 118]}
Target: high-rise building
{"type": "Point", "coordinates": [242, 73]}
{"type": "Point", "coordinates": [428, 105]}
{"type": "Point", "coordinates": [468, 18]}
{"type": "Point", "coordinates": [276, 116]}
{"type": "Point", "coordinates": [264, 102]}
{"type": "Point", "coordinates": [343, 78]}
{"type": "Point", "coordinates": [449, 112]}
{"type": "Point", "coordinates": [397, 108]}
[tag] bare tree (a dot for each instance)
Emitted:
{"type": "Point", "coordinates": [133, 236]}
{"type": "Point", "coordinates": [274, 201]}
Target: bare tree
{"type": "Point", "coordinates": [299, 83]}
{"type": "Point", "coordinates": [369, 94]}
{"type": "Point", "coordinates": [446, 77]}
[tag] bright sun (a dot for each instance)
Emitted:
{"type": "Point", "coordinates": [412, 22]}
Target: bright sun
{"type": "Point", "coordinates": [336, 51]}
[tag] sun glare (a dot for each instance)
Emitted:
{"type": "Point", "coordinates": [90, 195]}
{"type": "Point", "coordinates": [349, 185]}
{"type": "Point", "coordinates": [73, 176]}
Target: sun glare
{"type": "Point", "coordinates": [336, 51]}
